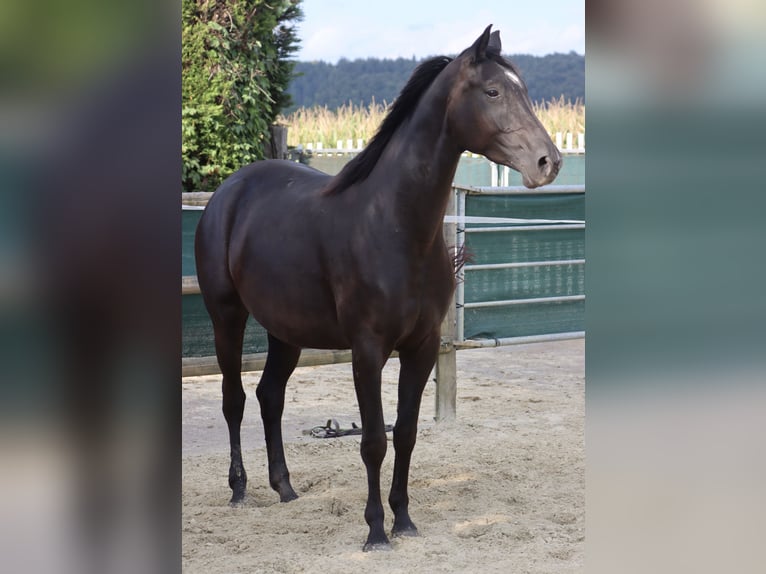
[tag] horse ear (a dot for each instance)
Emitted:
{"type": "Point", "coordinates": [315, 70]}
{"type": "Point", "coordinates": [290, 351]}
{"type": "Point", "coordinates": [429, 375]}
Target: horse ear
{"type": "Point", "coordinates": [494, 45]}
{"type": "Point", "coordinates": [479, 48]}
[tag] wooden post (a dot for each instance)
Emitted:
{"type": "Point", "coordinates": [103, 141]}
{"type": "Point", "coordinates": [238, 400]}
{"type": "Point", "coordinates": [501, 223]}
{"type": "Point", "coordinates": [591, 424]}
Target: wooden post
{"type": "Point", "coordinates": [446, 362]}
{"type": "Point", "coordinates": [276, 147]}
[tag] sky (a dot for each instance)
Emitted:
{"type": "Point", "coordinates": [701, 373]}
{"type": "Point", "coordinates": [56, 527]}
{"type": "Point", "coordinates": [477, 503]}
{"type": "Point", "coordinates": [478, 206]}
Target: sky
{"type": "Point", "coordinates": [334, 29]}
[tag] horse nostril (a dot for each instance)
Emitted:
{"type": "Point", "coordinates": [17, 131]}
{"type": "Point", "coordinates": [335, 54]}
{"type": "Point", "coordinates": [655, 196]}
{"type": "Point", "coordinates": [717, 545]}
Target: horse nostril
{"type": "Point", "coordinates": [547, 165]}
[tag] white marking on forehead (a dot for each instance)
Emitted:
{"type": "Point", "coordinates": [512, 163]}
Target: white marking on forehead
{"type": "Point", "coordinates": [513, 77]}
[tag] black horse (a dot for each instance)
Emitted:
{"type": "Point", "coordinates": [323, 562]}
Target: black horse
{"type": "Point", "coordinates": [357, 261]}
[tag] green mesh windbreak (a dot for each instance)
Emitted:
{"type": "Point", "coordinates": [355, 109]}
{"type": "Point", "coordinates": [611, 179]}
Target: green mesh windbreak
{"type": "Point", "coordinates": [189, 221]}
{"type": "Point", "coordinates": [524, 320]}
{"type": "Point", "coordinates": [524, 283]}
{"type": "Point", "coordinates": [528, 206]}
{"type": "Point", "coordinates": [197, 337]}
{"type": "Point", "coordinates": [517, 246]}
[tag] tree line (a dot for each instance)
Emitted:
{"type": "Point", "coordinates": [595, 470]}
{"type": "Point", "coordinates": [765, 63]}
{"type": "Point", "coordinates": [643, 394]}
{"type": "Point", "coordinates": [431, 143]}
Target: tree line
{"type": "Point", "coordinates": [363, 81]}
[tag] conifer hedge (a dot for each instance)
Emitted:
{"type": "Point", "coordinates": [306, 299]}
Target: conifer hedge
{"type": "Point", "coordinates": [236, 66]}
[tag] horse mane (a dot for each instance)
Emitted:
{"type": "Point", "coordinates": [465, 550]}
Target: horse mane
{"type": "Point", "coordinates": [359, 168]}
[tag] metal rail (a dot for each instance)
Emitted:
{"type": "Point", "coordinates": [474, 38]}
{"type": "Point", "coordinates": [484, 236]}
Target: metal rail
{"type": "Point", "coordinates": [554, 263]}
{"type": "Point", "coordinates": [528, 301]}
{"type": "Point", "coordinates": [534, 225]}
{"type": "Point", "coordinates": [483, 343]}
{"type": "Point", "coordinates": [519, 189]}
{"type": "Point", "coordinates": [556, 226]}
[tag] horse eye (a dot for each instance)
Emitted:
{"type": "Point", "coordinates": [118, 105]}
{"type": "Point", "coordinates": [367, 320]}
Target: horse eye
{"type": "Point", "coordinates": [492, 93]}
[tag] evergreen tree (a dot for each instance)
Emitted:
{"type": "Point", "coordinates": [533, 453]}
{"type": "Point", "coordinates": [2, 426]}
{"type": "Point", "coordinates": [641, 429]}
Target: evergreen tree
{"type": "Point", "coordinates": [236, 68]}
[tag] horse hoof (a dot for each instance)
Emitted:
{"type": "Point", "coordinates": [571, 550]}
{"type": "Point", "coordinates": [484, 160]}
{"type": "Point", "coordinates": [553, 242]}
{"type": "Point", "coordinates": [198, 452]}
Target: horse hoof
{"type": "Point", "coordinates": [404, 527]}
{"type": "Point", "coordinates": [377, 547]}
{"type": "Point", "coordinates": [407, 531]}
{"type": "Point", "coordinates": [237, 500]}
{"type": "Point", "coordinates": [287, 497]}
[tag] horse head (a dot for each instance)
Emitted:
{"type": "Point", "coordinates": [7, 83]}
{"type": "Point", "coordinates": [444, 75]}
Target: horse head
{"type": "Point", "coordinates": [490, 113]}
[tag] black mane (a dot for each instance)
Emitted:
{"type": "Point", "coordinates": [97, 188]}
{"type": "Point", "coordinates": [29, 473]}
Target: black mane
{"type": "Point", "coordinates": [359, 168]}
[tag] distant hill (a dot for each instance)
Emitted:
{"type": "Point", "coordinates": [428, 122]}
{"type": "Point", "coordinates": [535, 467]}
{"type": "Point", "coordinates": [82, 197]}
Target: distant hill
{"type": "Point", "coordinates": [360, 81]}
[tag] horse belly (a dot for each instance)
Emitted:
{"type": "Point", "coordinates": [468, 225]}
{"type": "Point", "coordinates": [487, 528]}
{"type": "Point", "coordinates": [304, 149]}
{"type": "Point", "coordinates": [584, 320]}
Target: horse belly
{"type": "Point", "coordinates": [294, 304]}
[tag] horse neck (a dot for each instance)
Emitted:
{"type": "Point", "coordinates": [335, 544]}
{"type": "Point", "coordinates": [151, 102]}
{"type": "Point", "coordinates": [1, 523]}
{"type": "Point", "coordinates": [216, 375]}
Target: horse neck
{"type": "Point", "coordinates": [420, 161]}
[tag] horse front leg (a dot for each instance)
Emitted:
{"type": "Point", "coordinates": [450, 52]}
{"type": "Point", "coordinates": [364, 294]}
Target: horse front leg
{"type": "Point", "coordinates": [416, 365]}
{"type": "Point", "coordinates": [367, 363]}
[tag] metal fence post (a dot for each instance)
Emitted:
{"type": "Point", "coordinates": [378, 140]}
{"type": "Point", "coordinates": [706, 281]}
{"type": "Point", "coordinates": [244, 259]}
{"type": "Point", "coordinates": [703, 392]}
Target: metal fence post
{"type": "Point", "coordinates": [446, 362]}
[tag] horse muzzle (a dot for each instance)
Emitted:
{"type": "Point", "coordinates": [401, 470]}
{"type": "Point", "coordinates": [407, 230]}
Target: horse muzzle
{"type": "Point", "coordinates": [544, 170]}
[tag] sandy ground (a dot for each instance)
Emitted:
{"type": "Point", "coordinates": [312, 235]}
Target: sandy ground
{"type": "Point", "coordinates": [501, 489]}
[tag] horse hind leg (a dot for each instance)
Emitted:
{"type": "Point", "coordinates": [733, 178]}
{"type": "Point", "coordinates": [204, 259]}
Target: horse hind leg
{"type": "Point", "coordinates": [229, 318]}
{"type": "Point", "coordinates": [416, 365]}
{"type": "Point", "coordinates": [280, 364]}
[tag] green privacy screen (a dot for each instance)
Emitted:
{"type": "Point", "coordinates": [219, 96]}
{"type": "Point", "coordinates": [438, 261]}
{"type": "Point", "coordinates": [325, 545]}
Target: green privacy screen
{"type": "Point", "coordinates": [547, 243]}
{"type": "Point", "coordinates": [524, 320]}
{"type": "Point", "coordinates": [189, 221]}
{"type": "Point", "coordinates": [197, 338]}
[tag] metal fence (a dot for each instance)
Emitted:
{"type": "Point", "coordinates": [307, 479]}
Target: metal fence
{"type": "Point", "coordinates": [543, 271]}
